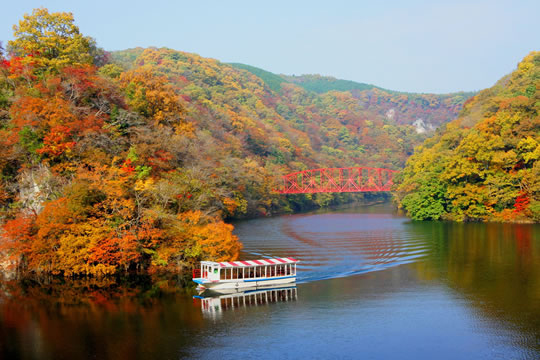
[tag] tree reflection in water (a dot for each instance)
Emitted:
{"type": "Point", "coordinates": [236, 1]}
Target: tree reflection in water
{"type": "Point", "coordinates": [496, 267]}
{"type": "Point", "coordinates": [477, 285]}
{"type": "Point", "coordinates": [104, 316]}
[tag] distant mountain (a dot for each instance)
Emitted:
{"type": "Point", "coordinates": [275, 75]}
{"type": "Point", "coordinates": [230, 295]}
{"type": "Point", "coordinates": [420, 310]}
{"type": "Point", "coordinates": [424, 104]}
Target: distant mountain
{"type": "Point", "coordinates": [321, 84]}
{"type": "Point", "coordinates": [425, 111]}
{"type": "Point", "coordinates": [316, 83]}
{"type": "Point", "coordinates": [272, 80]}
{"type": "Point", "coordinates": [347, 123]}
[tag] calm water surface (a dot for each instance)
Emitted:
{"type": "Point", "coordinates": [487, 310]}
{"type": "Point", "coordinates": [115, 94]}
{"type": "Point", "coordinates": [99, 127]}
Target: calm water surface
{"type": "Point", "coordinates": [371, 285]}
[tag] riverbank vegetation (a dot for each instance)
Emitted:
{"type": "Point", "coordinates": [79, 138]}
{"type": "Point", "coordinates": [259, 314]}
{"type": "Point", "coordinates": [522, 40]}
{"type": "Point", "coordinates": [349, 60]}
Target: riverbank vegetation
{"type": "Point", "coordinates": [131, 161]}
{"type": "Point", "coordinates": [483, 165]}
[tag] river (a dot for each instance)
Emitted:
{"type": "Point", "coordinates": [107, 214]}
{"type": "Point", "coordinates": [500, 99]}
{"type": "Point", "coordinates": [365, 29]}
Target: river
{"type": "Point", "coordinates": [371, 284]}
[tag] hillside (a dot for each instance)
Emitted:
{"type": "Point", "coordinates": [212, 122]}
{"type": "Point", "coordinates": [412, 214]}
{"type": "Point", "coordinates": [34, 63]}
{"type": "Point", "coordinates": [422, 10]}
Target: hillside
{"type": "Point", "coordinates": [321, 84]}
{"type": "Point", "coordinates": [281, 132]}
{"type": "Point", "coordinates": [327, 130]}
{"type": "Point", "coordinates": [483, 165]}
{"type": "Point", "coordinates": [272, 80]}
{"type": "Point", "coordinates": [308, 112]}
{"type": "Point", "coordinates": [425, 111]}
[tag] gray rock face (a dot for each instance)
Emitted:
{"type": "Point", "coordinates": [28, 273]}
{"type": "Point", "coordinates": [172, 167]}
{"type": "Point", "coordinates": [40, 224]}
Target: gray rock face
{"type": "Point", "coordinates": [423, 127]}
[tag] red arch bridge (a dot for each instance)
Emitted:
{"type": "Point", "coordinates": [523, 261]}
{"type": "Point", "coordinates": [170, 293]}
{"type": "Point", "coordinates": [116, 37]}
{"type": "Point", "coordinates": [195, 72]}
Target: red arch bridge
{"type": "Point", "coordinates": [351, 179]}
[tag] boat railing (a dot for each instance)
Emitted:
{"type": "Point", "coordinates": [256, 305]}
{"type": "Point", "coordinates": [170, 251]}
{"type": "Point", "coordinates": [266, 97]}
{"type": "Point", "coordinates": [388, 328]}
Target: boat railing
{"type": "Point", "coordinates": [196, 273]}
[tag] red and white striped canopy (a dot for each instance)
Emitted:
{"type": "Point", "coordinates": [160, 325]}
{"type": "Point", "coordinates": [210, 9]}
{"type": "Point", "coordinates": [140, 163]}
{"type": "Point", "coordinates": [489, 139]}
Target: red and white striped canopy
{"type": "Point", "coordinates": [258, 262]}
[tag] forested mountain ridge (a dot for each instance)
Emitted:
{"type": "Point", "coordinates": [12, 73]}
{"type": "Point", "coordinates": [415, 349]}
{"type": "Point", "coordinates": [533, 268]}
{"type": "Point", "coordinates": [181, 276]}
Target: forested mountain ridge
{"type": "Point", "coordinates": [423, 110]}
{"type": "Point", "coordinates": [317, 117]}
{"type": "Point", "coordinates": [483, 165]}
{"type": "Point", "coordinates": [132, 163]}
{"type": "Point", "coordinates": [325, 130]}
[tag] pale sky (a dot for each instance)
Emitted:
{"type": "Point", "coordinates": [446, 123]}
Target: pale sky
{"type": "Point", "coordinates": [414, 45]}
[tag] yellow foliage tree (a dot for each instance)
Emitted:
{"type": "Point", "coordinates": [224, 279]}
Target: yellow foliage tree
{"type": "Point", "coordinates": [51, 40]}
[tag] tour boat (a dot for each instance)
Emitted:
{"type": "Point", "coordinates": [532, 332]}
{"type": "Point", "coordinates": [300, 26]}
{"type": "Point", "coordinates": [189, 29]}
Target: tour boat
{"type": "Point", "coordinates": [245, 274]}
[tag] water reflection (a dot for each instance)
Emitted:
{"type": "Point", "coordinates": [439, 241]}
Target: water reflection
{"type": "Point", "coordinates": [213, 304]}
{"type": "Point", "coordinates": [93, 319]}
{"type": "Point", "coordinates": [496, 267]}
{"type": "Point", "coordinates": [390, 287]}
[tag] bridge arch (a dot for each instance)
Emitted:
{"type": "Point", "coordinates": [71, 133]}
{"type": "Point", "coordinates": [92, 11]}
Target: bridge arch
{"type": "Point", "coordinates": [349, 179]}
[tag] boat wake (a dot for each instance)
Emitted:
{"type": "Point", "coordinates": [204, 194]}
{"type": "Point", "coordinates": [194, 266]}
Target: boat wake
{"type": "Point", "coordinates": [333, 245]}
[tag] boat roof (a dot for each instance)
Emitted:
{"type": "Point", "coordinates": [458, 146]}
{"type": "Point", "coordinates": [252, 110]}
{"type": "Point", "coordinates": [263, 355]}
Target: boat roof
{"type": "Point", "coordinates": [261, 262]}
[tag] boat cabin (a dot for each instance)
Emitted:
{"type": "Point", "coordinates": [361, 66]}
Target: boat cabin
{"type": "Point", "coordinates": [247, 270]}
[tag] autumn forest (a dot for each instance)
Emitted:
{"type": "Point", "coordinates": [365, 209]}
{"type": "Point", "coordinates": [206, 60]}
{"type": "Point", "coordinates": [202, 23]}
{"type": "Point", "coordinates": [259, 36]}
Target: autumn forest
{"type": "Point", "coordinates": [137, 160]}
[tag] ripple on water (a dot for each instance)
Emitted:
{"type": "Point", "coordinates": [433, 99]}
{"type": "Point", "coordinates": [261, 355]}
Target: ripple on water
{"type": "Point", "coordinates": [333, 245]}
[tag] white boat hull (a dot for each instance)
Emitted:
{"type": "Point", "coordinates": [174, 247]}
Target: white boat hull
{"type": "Point", "coordinates": [206, 293]}
{"type": "Point", "coordinates": [239, 284]}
